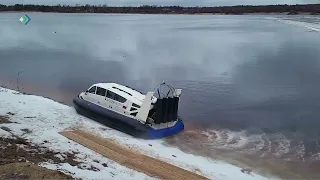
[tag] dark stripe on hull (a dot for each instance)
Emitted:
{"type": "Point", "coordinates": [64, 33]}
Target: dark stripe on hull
{"type": "Point", "coordinates": [122, 123]}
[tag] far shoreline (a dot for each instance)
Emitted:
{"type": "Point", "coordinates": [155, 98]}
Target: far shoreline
{"type": "Point", "coordinates": [120, 13]}
{"type": "Point", "coordinates": [279, 9]}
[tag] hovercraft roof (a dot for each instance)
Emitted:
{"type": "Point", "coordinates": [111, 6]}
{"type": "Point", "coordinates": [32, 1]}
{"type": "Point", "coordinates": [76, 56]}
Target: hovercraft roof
{"type": "Point", "coordinates": [124, 91]}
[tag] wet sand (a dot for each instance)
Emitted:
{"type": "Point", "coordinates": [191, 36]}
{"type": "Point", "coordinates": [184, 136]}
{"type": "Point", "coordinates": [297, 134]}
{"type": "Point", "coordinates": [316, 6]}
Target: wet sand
{"type": "Point", "coordinates": [29, 88]}
{"type": "Point", "coordinates": [193, 141]}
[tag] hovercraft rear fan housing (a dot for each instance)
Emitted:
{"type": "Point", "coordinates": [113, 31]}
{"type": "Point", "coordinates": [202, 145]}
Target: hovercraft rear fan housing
{"type": "Point", "coordinates": [166, 106]}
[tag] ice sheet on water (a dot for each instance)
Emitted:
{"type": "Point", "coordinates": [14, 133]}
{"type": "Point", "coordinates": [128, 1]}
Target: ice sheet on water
{"type": "Point", "coordinates": [312, 26]}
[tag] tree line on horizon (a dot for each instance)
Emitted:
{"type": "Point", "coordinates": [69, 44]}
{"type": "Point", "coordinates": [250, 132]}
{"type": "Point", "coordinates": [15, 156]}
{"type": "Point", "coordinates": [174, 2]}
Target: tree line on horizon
{"type": "Point", "coordinates": [147, 9]}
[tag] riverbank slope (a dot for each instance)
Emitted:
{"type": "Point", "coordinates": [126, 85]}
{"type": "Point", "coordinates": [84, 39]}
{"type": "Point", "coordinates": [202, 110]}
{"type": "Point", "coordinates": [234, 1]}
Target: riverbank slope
{"type": "Point", "coordinates": [39, 120]}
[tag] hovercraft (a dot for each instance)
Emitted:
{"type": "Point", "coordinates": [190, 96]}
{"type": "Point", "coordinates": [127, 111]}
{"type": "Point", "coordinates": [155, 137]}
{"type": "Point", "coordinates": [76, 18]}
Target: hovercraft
{"type": "Point", "coordinates": [150, 116]}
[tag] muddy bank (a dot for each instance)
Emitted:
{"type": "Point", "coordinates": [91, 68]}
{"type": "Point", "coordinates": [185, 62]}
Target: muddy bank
{"type": "Point", "coordinates": [20, 159]}
{"type": "Point", "coordinates": [25, 87]}
{"type": "Point", "coordinates": [4, 119]}
{"type": "Point", "coordinates": [23, 170]}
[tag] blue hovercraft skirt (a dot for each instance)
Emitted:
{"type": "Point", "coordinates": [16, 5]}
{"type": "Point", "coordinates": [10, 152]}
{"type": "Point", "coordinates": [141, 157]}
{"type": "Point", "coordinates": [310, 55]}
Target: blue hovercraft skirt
{"type": "Point", "coordinates": [123, 123]}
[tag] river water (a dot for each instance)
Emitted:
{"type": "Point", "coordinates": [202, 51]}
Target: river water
{"type": "Point", "coordinates": [250, 83]}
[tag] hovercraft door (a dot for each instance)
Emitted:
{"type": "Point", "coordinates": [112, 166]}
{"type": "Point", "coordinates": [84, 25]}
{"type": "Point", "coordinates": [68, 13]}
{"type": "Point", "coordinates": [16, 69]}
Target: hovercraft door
{"type": "Point", "coordinates": [110, 100]}
{"type": "Point", "coordinates": [90, 95]}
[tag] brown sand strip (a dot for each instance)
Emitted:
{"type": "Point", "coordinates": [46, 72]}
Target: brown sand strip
{"type": "Point", "coordinates": [129, 158]}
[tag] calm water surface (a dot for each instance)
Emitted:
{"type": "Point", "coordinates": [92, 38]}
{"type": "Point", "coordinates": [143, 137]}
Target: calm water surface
{"type": "Point", "coordinates": [250, 83]}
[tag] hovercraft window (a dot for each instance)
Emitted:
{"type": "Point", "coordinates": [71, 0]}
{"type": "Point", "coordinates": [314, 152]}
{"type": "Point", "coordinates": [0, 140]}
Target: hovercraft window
{"type": "Point", "coordinates": [92, 90]}
{"type": "Point", "coordinates": [101, 91]}
{"type": "Point", "coordinates": [135, 105]}
{"type": "Point", "coordinates": [110, 95]}
{"type": "Point", "coordinates": [116, 97]}
{"type": "Point", "coordinates": [120, 98]}
{"type": "Point", "coordinates": [134, 114]}
{"type": "Point", "coordinates": [122, 90]}
{"type": "Point", "coordinates": [133, 109]}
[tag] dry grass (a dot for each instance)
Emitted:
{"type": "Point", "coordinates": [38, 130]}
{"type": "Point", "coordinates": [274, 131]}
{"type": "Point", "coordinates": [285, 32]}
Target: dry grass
{"type": "Point", "coordinates": [4, 119]}
{"type": "Point", "coordinates": [29, 171]}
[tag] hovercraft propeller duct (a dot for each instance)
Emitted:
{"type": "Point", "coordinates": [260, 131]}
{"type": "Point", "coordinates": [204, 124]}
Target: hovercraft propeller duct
{"type": "Point", "coordinates": [166, 106]}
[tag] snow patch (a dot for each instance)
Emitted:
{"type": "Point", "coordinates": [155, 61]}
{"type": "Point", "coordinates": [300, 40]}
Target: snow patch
{"type": "Point", "coordinates": [5, 134]}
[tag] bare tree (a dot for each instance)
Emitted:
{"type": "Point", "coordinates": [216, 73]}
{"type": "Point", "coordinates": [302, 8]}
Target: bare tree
{"type": "Point", "coordinates": [4, 87]}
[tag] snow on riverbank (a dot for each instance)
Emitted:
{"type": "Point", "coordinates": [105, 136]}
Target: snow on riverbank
{"type": "Point", "coordinates": [45, 118]}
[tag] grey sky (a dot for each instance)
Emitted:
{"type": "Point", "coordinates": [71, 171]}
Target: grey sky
{"type": "Point", "coordinates": [161, 2]}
